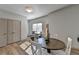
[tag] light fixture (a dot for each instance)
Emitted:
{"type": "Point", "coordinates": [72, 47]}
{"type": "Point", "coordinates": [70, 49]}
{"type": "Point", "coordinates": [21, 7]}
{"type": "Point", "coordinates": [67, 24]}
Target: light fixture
{"type": "Point", "coordinates": [28, 9]}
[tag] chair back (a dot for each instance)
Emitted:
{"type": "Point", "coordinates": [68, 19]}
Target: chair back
{"type": "Point", "coordinates": [25, 45]}
{"type": "Point", "coordinates": [36, 48]}
{"type": "Point", "coordinates": [68, 48]}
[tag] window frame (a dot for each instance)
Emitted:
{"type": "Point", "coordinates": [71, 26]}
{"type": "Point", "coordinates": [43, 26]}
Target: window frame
{"type": "Point", "coordinates": [36, 32]}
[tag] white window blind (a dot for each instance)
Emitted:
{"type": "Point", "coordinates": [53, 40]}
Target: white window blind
{"type": "Point", "coordinates": [37, 28]}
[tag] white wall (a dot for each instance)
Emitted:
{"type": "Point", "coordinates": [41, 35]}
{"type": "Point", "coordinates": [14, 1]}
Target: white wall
{"type": "Point", "coordinates": [62, 24]}
{"type": "Point", "coordinates": [9, 15]}
{"type": "Point", "coordinates": [13, 16]}
{"type": "Point", "coordinates": [24, 30]}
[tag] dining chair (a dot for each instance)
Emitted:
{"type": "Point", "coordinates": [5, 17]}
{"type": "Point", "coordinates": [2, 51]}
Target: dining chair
{"type": "Point", "coordinates": [67, 50]}
{"type": "Point", "coordinates": [29, 50]}
{"type": "Point", "coordinates": [33, 48]}
{"type": "Point", "coordinates": [38, 50]}
{"type": "Point", "coordinates": [25, 45]}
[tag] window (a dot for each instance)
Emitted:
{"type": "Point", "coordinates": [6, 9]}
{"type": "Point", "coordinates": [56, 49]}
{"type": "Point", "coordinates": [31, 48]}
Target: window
{"type": "Point", "coordinates": [37, 28]}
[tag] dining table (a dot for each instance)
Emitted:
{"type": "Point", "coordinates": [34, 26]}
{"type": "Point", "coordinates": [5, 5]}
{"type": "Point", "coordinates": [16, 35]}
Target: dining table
{"type": "Point", "coordinates": [53, 44]}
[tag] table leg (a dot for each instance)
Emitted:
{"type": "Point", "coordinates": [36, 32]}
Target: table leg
{"type": "Point", "coordinates": [48, 50]}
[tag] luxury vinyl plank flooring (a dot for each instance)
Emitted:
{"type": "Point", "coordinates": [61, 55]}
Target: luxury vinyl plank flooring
{"type": "Point", "coordinates": [12, 49]}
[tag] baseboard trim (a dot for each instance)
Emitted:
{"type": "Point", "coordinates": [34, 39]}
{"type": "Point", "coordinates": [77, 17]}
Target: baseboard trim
{"type": "Point", "coordinates": [75, 50]}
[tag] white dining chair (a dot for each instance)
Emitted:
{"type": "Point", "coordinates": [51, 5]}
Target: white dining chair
{"type": "Point", "coordinates": [33, 48]}
{"type": "Point", "coordinates": [29, 50]}
{"type": "Point", "coordinates": [38, 50]}
{"type": "Point", "coordinates": [67, 50]}
{"type": "Point", "coordinates": [25, 45]}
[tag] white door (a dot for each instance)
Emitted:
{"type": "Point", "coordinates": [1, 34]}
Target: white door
{"type": "Point", "coordinates": [3, 33]}
{"type": "Point", "coordinates": [14, 31]}
{"type": "Point", "coordinates": [10, 29]}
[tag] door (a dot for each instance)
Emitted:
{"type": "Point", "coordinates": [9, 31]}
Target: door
{"type": "Point", "coordinates": [14, 31]}
{"type": "Point", "coordinates": [3, 33]}
{"type": "Point", "coordinates": [10, 29]}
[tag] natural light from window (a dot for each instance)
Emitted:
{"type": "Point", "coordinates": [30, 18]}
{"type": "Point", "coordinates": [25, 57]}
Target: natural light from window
{"type": "Point", "coordinates": [37, 28]}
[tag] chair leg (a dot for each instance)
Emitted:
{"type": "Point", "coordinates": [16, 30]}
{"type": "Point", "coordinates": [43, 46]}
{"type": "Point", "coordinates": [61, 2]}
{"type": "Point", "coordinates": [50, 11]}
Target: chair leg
{"type": "Point", "coordinates": [48, 50]}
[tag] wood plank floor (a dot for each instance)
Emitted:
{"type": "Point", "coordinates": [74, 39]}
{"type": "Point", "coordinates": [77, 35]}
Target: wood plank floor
{"type": "Point", "coordinates": [12, 49]}
{"type": "Point", "coordinates": [74, 52]}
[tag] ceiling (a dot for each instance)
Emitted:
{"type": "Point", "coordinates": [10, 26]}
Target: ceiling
{"type": "Point", "coordinates": [38, 9]}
